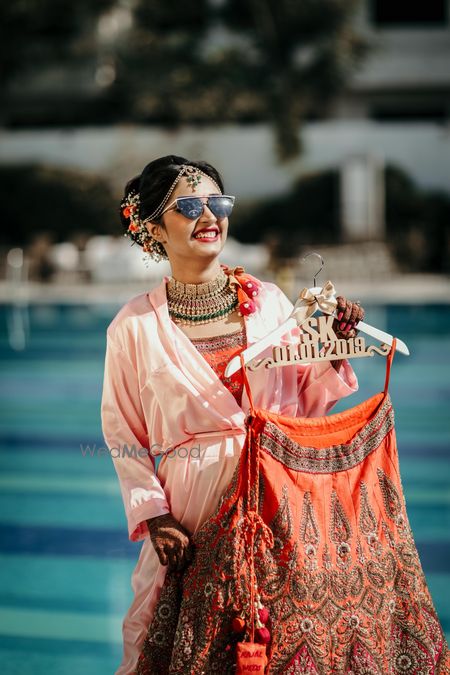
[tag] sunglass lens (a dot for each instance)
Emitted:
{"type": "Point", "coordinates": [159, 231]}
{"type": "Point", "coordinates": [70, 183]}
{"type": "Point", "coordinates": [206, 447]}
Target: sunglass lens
{"type": "Point", "coordinates": [220, 206]}
{"type": "Point", "coordinates": [190, 208]}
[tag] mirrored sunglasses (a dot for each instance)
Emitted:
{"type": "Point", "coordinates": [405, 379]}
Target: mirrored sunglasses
{"type": "Point", "coordinates": [192, 207]}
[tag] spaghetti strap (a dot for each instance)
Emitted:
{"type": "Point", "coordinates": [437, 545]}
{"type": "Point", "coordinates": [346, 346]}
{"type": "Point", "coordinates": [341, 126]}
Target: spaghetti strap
{"type": "Point", "coordinates": [247, 385]}
{"type": "Point", "coordinates": [389, 360]}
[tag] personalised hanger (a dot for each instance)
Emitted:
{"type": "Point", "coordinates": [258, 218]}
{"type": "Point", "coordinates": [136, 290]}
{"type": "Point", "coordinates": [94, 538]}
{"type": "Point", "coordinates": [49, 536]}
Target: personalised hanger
{"type": "Point", "coordinates": [318, 341]}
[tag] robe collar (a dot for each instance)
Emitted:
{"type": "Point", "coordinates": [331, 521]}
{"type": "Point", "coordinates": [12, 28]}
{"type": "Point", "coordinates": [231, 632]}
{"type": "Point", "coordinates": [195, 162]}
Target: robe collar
{"type": "Point", "coordinates": [194, 366]}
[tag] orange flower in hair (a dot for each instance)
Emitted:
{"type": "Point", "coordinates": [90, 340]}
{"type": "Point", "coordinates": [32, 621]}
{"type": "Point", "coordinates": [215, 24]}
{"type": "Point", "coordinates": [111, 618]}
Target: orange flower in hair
{"type": "Point", "coordinates": [130, 210]}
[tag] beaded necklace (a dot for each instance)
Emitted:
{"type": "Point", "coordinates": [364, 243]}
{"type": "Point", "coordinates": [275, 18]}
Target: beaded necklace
{"type": "Point", "coordinates": [195, 304]}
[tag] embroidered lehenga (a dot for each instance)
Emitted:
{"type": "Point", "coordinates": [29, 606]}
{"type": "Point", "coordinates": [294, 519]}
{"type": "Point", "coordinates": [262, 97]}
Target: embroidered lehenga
{"type": "Point", "coordinates": [334, 556]}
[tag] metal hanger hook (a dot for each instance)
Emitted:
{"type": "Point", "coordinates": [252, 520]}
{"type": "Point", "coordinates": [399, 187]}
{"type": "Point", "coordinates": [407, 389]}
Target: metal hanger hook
{"type": "Point", "coordinates": [321, 267]}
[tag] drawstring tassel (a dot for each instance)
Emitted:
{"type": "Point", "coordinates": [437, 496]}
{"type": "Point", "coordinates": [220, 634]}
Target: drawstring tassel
{"type": "Point", "coordinates": [263, 635]}
{"type": "Point", "coordinates": [251, 656]}
{"type": "Point", "coordinates": [255, 523]}
{"type": "Point", "coordinates": [238, 624]}
{"type": "Point", "coordinates": [263, 614]}
{"type": "Point", "coordinates": [246, 306]}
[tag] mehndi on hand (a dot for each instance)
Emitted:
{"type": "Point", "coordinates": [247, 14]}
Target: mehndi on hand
{"type": "Point", "coordinates": [349, 314]}
{"type": "Point", "coordinates": [171, 541]}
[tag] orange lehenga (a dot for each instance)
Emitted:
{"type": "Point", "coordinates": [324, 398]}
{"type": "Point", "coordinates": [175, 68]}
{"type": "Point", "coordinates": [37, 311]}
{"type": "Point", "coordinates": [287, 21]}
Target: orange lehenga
{"type": "Point", "coordinates": [334, 559]}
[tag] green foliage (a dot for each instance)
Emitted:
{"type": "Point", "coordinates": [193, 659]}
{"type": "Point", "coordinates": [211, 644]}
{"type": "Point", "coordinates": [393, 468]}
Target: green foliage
{"type": "Point", "coordinates": [65, 203]}
{"type": "Point", "coordinates": [308, 213]}
{"type": "Point", "coordinates": [199, 62]}
{"type": "Point", "coordinates": [34, 33]}
{"type": "Point", "coordinates": [417, 223]}
{"type": "Point", "coordinates": [60, 202]}
{"type": "Point", "coordinates": [280, 62]}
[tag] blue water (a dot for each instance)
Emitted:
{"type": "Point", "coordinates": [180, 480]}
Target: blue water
{"type": "Point", "coordinates": [65, 558]}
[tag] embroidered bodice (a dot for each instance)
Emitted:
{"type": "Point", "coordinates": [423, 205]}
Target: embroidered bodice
{"type": "Point", "coordinates": [218, 350]}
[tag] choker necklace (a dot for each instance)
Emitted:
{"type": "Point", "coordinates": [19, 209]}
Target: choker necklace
{"type": "Point", "coordinates": [195, 304]}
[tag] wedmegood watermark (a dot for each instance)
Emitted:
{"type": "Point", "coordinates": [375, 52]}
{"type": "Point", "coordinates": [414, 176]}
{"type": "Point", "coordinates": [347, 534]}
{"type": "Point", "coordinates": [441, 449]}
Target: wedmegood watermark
{"type": "Point", "coordinates": [155, 450]}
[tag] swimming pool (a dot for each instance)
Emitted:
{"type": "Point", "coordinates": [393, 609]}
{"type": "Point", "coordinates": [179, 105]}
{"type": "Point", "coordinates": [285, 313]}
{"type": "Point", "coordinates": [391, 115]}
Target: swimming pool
{"type": "Point", "coordinates": [65, 558]}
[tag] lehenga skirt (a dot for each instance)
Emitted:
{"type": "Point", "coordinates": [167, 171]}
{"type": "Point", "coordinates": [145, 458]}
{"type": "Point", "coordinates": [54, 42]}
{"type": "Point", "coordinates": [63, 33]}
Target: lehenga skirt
{"type": "Point", "coordinates": [314, 527]}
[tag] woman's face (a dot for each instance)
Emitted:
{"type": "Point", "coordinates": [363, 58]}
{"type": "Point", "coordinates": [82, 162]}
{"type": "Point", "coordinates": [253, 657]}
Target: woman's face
{"type": "Point", "coordinates": [179, 236]}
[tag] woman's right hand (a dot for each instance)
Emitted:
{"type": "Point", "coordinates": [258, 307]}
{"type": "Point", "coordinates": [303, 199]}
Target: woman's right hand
{"type": "Point", "coordinates": [171, 541]}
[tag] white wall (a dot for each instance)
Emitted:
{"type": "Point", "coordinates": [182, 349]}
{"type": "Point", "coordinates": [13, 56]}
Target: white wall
{"type": "Point", "coordinates": [408, 57]}
{"type": "Point", "coordinates": [243, 154]}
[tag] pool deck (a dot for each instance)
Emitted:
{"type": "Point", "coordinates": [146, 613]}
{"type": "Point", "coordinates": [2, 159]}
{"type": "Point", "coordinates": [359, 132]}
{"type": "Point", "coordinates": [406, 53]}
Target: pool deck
{"type": "Point", "coordinates": [406, 288]}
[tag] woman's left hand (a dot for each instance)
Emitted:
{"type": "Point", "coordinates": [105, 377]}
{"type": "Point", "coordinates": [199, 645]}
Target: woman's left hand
{"type": "Point", "coordinates": [349, 314]}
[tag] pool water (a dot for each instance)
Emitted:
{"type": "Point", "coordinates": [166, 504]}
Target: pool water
{"type": "Point", "coordinates": [65, 557]}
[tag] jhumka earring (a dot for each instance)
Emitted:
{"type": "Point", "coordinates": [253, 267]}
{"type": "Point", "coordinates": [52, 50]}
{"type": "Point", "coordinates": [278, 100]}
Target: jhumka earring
{"type": "Point", "coordinates": [154, 249]}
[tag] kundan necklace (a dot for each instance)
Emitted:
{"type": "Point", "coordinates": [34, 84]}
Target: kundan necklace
{"type": "Point", "coordinates": [194, 304]}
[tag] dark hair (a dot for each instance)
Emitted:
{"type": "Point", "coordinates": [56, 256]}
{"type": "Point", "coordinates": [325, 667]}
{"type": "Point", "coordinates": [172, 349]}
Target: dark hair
{"type": "Point", "coordinates": [156, 179]}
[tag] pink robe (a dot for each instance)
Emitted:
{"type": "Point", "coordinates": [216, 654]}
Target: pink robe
{"type": "Point", "coordinates": [160, 394]}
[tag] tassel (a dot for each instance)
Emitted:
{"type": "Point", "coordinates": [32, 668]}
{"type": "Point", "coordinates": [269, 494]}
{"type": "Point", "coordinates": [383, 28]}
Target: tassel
{"type": "Point", "coordinates": [263, 635]}
{"type": "Point", "coordinates": [246, 306]}
{"type": "Point", "coordinates": [238, 624]}
{"type": "Point", "coordinates": [247, 288]}
{"type": "Point", "coordinates": [251, 658]}
{"type": "Point", "coordinates": [263, 614]}
{"type": "Point", "coordinates": [250, 288]}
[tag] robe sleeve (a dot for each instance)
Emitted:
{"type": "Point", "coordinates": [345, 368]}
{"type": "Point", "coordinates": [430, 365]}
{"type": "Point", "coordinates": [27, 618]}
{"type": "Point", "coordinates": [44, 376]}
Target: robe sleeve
{"type": "Point", "coordinates": [319, 385]}
{"type": "Point", "coordinates": [126, 435]}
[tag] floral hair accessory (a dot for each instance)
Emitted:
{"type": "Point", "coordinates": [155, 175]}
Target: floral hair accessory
{"type": "Point", "coordinates": [137, 231]}
{"type": "Point", "coordinates": [130, 209]}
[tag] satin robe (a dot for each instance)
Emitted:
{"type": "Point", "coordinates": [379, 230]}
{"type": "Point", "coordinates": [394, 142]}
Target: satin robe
{"type": "Point", "coordinates": [161, 397]}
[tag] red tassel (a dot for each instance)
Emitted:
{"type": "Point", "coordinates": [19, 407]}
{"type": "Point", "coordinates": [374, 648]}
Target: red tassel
{"type": "Point", "coordinates": [238, 624]}
{"type": "Point", "coordinates": [249, 288]}
{"type": "Point", "coordinates": [263, 635]}
{"type": "Point", "coordinates": [263, 615]}
{"type": "Point", "coordinates": [251, 658]}
{"type": "Point", "coordinates": [246, 305]}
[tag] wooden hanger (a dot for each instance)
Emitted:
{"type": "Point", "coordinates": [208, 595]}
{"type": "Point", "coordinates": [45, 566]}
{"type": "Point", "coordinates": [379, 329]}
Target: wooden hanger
{"type": "Point", "coordinates": [319, 340]}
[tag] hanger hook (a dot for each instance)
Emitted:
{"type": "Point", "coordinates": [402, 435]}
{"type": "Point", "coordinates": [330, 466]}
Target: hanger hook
{"type": "Point", "coordinates": [321, 266]}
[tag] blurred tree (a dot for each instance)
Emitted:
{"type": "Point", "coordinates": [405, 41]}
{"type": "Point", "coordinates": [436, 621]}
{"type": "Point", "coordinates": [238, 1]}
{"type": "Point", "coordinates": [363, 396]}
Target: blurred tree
{"type": "Point", "coordinates": [417, 220]}
{"type": "Point", "coordinates": [239, 61]}
{"type": "Point", "coordinates": [205, 62]}
{"type": "Point", "coordinates": [36, 33]}
{"type": "Point", "coordinates": [60, 202]}
{"type": "Point", "coordinates": [308, 213]}
{"type": "Point", "coordinates": [160, 69]}
{"type": "Point", "coordinates": [301, 56]}
{"type": "Point", "coordinates": [46, 49]}
{"type": "Point", "coordinates": [417, 223]}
